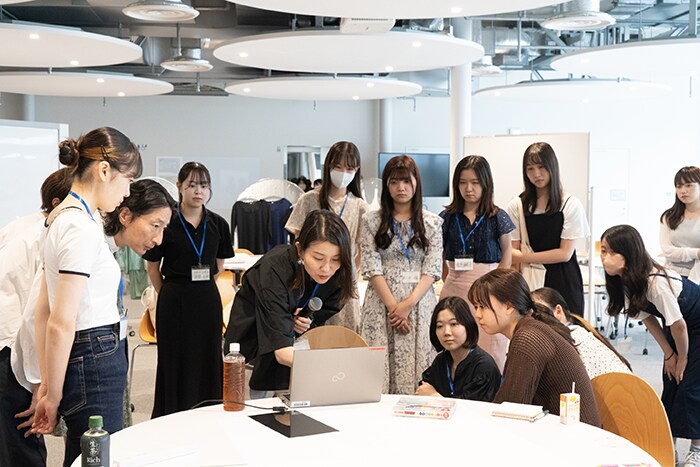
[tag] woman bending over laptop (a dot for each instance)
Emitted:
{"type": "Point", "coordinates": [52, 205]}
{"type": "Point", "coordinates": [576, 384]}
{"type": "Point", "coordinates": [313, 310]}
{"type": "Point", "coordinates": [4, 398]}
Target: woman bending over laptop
{"type": "Point", "coordinates": [461, 369]}
{"type": "Point", "coordinates": [273, 304]}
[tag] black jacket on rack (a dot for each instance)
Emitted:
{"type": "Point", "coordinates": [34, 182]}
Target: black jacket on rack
{"type": "Point", "coordinates": [253, 222]}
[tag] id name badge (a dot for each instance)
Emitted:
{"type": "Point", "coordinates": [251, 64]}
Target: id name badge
{"type": "Point", "coordinates": [464, 263]}
{"type": "Point", "coordinates": [123, 327]}
{"type": "Point", "coordinates": [410, 277]}
{"type": "Point", "coordinates": [200, 273]}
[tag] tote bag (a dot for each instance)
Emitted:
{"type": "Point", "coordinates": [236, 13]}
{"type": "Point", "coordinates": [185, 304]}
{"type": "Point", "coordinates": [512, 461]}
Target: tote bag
{"type": "Point", "coordinates": [532, 272]}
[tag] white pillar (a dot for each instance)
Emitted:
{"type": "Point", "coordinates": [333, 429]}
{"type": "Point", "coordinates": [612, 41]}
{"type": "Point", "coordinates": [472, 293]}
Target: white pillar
{"type": "Point", "coordinates": [28, 108]}
{"type": "Point", "coordinates": [385, 123]}
{"type": "Point", "coordinates": [461, 96]}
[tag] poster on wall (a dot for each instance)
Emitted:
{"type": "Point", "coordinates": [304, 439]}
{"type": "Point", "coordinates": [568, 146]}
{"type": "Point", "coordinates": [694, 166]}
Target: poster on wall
{"type": "Point", "coordinates": [168, 167]}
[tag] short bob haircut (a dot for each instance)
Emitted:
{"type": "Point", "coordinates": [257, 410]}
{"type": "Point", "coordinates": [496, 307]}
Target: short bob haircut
{"type": "Point", "coordinates": [463, 315]}
{"type": "Point", "coordinates": [145, 196]}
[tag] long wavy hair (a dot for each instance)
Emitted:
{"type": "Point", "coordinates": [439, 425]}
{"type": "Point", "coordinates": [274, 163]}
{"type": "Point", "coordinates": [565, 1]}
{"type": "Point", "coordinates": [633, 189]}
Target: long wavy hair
{"type": "Point", "coordinates": [674, 215]}
{"type": "Point", "coordinates": [342, 151]}
{"type": "Point", "coordinates": [541, 153]}
{"type": "Point", "coordinates": [482, 170]}
{"type": "Point", "coordinates": [633, 281]}
{"type": "Point", "coordinates": [510, 288]}
{"type": "Point", "coordinates": [325, 226]}
{"type": "Point", "coordinates": [552, 298]}
{"type": "Point", "coordinates": [401, 168]}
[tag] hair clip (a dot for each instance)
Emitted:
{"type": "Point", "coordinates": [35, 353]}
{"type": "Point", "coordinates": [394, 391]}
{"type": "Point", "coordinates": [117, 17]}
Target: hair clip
{"type": "Point", "coordinates": [105, 154]}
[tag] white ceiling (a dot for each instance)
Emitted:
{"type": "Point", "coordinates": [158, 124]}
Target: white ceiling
{"type": "Point", "coordinates": [324, 88]}
{"type": "Point", "coordinates": [29, 45]}
{"type": "Point", "coordinates": [81, 84]}
{"type": "Point", "coordinates": [330, 51]}
{"type": "Point", "coordinates": [404, 9]}
{"type": "Point", "coordinates": [643, 59]}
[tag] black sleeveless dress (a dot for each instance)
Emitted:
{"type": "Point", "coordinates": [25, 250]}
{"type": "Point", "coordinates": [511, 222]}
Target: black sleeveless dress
{"type": "Point", "coordinates": [544, 231]}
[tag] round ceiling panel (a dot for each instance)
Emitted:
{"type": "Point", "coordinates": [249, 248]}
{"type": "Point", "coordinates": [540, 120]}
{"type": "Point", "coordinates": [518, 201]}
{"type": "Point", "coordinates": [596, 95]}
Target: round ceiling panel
{"type": "Point", "coordinates": [405, 9]}
{"type": "Point", "coordinates": [54, 47]}
{"type": "Point", "coordinates": [585, 91]}
{"type": "Point", "coordinates": [642, 59]}
{"type": "Point", "coordinates": [324, 88]}
{"type": "Point", "coordinates": [81, 84]}
{"type": "Point", "coordinates": [323, 51]}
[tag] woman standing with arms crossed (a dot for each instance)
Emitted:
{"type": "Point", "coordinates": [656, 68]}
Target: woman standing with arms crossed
{"type": "Point", "coordinates": [680, 225]}
{"type": "Point", "coordinates": [77, 321]}
{"type": "Point", "coordinates": [188, 316]}
{"type": "Point", "coordinates": [401, 258]}
{"type": "Point", "coordinates": [341, 193]}
{"type": "Point", "coordinates": [476, 238]}
{"type": "Point", "coordinates": [642, 288]}
{"type": "Point", "coordinates": [554, 220]}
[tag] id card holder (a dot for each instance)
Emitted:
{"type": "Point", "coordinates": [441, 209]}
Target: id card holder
{"type": "Point", "coordinates": [123, 327]}
{"type": "Point", "coordinates": [200, 273]}
{"type": "Point", "coordinates": [464, 263]}
{"type": "Point", "coordinates": [410, 277]}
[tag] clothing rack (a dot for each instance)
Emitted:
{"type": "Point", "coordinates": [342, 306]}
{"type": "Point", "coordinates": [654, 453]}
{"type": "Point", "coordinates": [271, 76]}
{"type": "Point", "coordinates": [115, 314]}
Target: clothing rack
{"type": "Point", "coordinates": [271, 189]}
{"type": "Point", "coordinates": [170, 187]}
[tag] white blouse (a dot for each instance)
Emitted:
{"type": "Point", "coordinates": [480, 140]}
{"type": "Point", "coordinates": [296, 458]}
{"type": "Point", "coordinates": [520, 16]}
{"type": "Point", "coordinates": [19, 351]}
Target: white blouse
{"type": "Point", "coordinates": [575, 223]}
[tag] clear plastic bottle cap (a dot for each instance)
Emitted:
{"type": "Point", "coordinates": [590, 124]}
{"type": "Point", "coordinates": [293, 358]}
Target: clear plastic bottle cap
{"type": "Point", "coordinates": [234, 347]}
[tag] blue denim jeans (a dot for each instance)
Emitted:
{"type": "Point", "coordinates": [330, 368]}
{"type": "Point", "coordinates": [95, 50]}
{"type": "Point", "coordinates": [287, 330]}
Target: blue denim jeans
{"type": "Point", "coordinates": [94, 385]}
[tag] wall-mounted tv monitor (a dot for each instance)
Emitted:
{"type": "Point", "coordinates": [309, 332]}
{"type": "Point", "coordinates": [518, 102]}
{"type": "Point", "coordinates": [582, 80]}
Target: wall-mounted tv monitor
{"type": "Point", "coordinates": [434, 171]}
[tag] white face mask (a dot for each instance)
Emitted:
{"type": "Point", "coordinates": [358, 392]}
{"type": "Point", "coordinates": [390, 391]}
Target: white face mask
{"type": "Point", "coordinates": [341, 179]}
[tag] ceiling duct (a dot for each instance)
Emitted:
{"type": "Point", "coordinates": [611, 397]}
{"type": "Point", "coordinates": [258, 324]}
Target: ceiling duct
{"type": "Point", "coordinates": [189, 62]}
{"type": "Point", "coordinates": [485, 67]}
{"type": "Point", "coordinates": [579, 15]}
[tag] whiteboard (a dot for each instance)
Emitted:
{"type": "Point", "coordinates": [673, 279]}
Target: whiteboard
{"type": "Point", "coordinates": [28, 154]}
{"type": "Point", "coordinates": [505, 155]}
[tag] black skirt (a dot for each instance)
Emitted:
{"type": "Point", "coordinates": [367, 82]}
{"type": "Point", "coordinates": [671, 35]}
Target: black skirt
{"type": "Point", "coordinates": [188, 329]}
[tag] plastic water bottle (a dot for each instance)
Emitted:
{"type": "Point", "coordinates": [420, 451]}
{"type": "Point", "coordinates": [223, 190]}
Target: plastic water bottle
{"type": "Point", "coordinates": [234, 379]}
{"type": "Point", "coordinates": [94, 444]}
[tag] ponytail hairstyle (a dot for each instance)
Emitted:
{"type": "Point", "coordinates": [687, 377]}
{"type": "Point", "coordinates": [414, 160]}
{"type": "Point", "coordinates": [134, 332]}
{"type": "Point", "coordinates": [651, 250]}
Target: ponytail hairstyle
{"type": "Point", "coordinates": [325, 226]}
{"type": "Point", "coordinates": [551, 298]}
{"type": "Point", "coordinates": [200, 175]}
{"type": "Point", "coordinates": [482, 169]}
{"type": "Point", "coordinates": [342, 151]}
{"type": "Point", "coordinates": [674, 216]}
{"type": "Point", "coordinates": [510, 288]}
{"type": "Point", "coordinates": [463, 315]}
{"type": "Point", "coordinates": [102, 144]}
{"type": "Point", "coordinates": [541, 153]}
{"type": "Point", "coordinates": [633, 282]}
{"type": "Point", "coordinates": [145, 196]}
{"type": "Point", "coordinates": [56, 186]}
{"type": "Point", "coordinates": [400, 168]}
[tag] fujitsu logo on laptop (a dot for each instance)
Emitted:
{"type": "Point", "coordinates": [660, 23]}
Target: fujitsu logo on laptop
{"type": "Point", "coordinates": [339, 377]}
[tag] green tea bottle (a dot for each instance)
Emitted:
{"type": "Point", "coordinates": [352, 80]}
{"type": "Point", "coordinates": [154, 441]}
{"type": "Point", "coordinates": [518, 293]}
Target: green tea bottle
{"type": "Point", "coordinates": [94, 444]}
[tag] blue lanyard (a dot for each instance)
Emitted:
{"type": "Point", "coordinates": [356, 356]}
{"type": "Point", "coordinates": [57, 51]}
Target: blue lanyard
{"type": "Point", "coordinates": [449, 376]}
{"type": "Point", "coordinates": [120, 299]}
{"type": "Point", "coordinates": [344, 203]}
{"type": "Point", "coordinates": [461, 235]}
{"type": "Point", "coordinates": [77, 196]}
{"type": "Point", "coordinates": [313, 294]}
{"type": "Point", "coordinates": [406, 251]}
{"type": "Point", "coordinates": [204, 236]}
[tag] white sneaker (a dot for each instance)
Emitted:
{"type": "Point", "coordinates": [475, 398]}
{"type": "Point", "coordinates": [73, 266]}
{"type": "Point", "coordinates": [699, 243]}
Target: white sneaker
{"type": "Point", "coordinates": [693, 458]}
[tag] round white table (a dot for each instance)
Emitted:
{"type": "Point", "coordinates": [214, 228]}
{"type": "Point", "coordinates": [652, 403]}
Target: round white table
{"type": "Point", "coordinates": [369, 435]}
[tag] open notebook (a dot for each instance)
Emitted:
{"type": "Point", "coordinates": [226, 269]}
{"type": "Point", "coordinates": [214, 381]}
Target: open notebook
{"type": "Point", "coordinates": [527, 412]}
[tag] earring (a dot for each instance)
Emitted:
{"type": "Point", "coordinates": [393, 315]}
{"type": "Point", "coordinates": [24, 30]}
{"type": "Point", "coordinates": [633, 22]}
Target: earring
{"type": "Point", "coordinates": [300, 261]}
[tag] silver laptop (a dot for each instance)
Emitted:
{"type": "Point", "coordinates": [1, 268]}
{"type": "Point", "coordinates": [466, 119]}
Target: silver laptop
{"type": "Point", "coordinates": [335, 376]}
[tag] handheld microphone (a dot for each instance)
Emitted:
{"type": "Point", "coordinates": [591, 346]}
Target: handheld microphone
{"type": "Point", "coordinates": [315, 304]}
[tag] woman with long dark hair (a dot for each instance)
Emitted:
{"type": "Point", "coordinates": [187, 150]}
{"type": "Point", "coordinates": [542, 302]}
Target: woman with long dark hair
{"type": "Point", "coordinates": [272, 306]}
{"type": "Point", "coordinates": [476, 239]}
{"type": "Point", "coordinates": [553, 220]}
{"type": "Point", "coordinates": [642, 288]}
{"type": "Point", "coordinates": [401, 258]}
{"type": "Point", "coordinates": [341, 193]}
{"type": "Point", "coordinates": [188, 314]}
{"type": "Point", "coordinates": [680, 225]}
{"type": "Point", "coordinates": [542, 360]}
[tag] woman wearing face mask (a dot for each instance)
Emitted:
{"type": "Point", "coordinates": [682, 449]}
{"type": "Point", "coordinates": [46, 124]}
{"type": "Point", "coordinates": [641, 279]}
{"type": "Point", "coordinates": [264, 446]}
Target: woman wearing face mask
{"type": "Point", "coordinates": [340, 192]}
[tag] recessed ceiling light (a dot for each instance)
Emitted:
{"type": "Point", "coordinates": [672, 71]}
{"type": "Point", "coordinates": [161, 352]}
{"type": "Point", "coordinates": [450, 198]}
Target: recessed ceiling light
{"type": "Point", "coordinates": [585, 60]}
{"type": "Point", "coordinates": [456, 9]}
{"type": "Point", "coordinates": [370, 85]}
{"type": "Point", "coordinates": [585, 101]}
{"type": "Point", "coordinates": [100, 80]}
{"type": "Point", "coordinates": [163, 11]}
{"type": "Point", "coordinates": [121, 94]}
{"type": "Point", "coordinates": [497, 93]}
{"type": "Point", "coordinates": [417, 43]}
{"type": "Point", "coordinates": [356, 98]}
{"type": "Point", "coordinates": [246, 89]}
{"type": "Point", "coordinates": [34, 36]}
{"type": "Point", "coordinates": [243, 54]}
{"type": "Point", "coordinates": [389, 68]}
{"type": "Point", "coordinates": [74, 63]}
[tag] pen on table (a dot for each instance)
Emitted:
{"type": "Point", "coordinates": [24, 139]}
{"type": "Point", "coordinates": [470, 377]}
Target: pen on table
{"type": "Point", "coordinates": [539, 415]}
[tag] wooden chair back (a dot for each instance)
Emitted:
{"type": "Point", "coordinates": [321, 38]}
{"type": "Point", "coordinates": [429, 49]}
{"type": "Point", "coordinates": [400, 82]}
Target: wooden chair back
{"type": "Point", "coordinates": [244, 251]}
{"type": "Point", "coordinates": [225, 285]}
{"type": "Point", "coordinates": [334, 337]}
{"type": "Point", "coordinates": [147, 332]}
{"type": "Point", "coordinates": [630, 408]}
